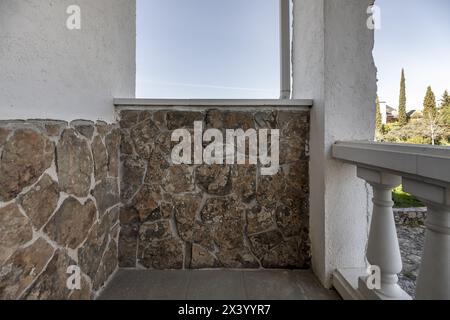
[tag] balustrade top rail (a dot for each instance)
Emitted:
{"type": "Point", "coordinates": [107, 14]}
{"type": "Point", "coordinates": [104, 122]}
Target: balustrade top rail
{"type": "Point", "coordinates": [234, 103]}
{"type": "Point", "coordinates": [428, 162]}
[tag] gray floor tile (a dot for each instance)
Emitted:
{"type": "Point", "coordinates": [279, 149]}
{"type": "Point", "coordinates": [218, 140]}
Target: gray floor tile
{"type": "Point", "coordinates": [168, 285]}
{"type": "Point", "coordinates": [126, 285]}
{"type": "Point", "coordinates": [216, 285]}
{"type": "Point", "coordinates": [312, 288]}
{"type": "Point", "coordinates": [271, 285]}
{"type": "Point", "coordinates": [146, 285]}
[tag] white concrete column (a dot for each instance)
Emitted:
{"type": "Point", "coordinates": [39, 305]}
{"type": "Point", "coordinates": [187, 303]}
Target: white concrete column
{"type": "Point", "coordinates": [333, 65]}
{"type": "Point", "coordinates": [434, 277]}
{"type": "Point", "coordinates": [383, 248]}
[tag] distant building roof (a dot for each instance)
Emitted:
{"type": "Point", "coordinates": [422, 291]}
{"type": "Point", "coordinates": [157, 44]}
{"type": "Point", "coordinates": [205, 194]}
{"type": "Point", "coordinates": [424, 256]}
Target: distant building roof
{"type": "Point", "coordinates": [390, 109]}
{"type": "Point", "coordinates": [394, 113]}
{"type": "Point", "coordinates": [410, 113]}
{"type": "Point", "coordinates": [416, 114]}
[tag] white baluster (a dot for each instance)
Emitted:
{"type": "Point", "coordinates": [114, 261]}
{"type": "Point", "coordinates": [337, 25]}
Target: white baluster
{"type": "Point", "coordinates": [434, 277]}
{"type": "Point", "coordinates": [383, 247]}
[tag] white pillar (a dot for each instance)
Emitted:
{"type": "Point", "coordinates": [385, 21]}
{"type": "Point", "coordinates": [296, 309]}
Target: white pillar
{"type": "Point", "coordinates": [333, 65]}
{"type": "Point", "coordinates": [383, 248]}
{"type": "Point", "coordinates": [434, 276]}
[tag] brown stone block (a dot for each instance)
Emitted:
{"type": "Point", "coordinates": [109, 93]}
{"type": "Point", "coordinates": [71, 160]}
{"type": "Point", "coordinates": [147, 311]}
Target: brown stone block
{"type": "Point", "coordinates": [128, 239]}
{"type": "Point", "coordinates": [203, 259]}
{"type": "Point", "coordinates": [146, 202]}
{"type": "Point", "coordinates": [83, 127]}
{"type": "Point", "coordinates": [214, 179]}
{"type": "Point", "coordinates": [179, 179]}
{"type": "Point", "coordinates": [90, 254]}
{"type": "Point", "coordinates": [4, 133]}
{"type": "Point", "coordinates": [41, 201]}
{"type": "Point", "coordinates": [183, 119]}
{"type": "Point", "coordinates": [112, 141]}
{"type": "Point", "coordinates": [161, 255]}
{"type": "Point", "coordinates": [219, 119]}
{"type": "Point", "coordinates": [106, 194]}
{"type": "Point", "coordinates": [74, 163]}
{"type": "Point", "coordinates": [129, 118]}
{"type": "Point", "coordinates": [143, 136]}
{"type": "Point", "coordinates": [25, 156]}
{"type": "Point", "coordinates": [133, 170]}
{"type": "Point", "coordinates": [52, 283]}
{"type": "Point", "coordinates": [69, 226]}
{"type": "Point", "coordinates": [107, 266]}
{"type": "Point", "coordinates": [243, 179]}
{"type": "Point", "coordinates": [15, 230]}
{"type": "Point", "coordinates": [22, 268]}
{"type": "Point", "coordinates": [100, 158]}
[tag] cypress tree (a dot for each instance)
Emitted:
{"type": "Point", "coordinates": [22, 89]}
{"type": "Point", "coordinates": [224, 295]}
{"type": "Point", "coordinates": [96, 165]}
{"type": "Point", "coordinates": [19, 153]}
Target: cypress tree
{"type": "Point", "coordinates": [402, 119]}
{"type": "Point", "coordinates": [429, 105]}
{"type": "Point", "coordinates": [379, 121]}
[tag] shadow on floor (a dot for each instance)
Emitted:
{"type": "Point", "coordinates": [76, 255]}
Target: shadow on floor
{"type": "Point", "coordinates": [215, 285]}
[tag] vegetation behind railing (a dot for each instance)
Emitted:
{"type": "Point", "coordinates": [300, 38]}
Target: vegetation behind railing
{"type": "Point", "coordinates": [428, 126]}
{"type": "Point", "coordinates": [405, 200]}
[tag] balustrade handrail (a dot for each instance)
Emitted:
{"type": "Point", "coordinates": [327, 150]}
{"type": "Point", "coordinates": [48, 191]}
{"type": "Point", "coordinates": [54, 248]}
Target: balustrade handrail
{"type": "Point", "coordinates": [430, 162]}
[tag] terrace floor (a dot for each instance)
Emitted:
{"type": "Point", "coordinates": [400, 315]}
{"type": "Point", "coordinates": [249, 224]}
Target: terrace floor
{"type": "Point", "coordinates": [215, 285]}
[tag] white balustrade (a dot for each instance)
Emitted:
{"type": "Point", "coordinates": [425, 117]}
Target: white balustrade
{"type": "Point", "coordinates": [383, 249]}
{"type": "Point", "coordinates": [424, 172]}
{"type": "Point", "coordinates": [434, 277]}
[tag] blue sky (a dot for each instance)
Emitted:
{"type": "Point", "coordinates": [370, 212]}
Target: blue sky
{"type": "Point", "coordinates": [207, 49]}
{"type": "Point", "coordinates": [229, 49]}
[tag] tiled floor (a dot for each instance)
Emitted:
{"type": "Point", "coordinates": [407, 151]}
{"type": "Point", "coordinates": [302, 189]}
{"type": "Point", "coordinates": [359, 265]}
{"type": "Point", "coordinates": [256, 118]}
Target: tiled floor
{"type": "Point", "coordinates": [215, 285]}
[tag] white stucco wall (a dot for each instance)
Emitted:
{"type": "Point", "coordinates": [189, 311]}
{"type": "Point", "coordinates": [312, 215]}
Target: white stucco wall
{"type": "Point", "coordinates": [49, 71]}
{"type": "Point", "coordinates": [333, 64]}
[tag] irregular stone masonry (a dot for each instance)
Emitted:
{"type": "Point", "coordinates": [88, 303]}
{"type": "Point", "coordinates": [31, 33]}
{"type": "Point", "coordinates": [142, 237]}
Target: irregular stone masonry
{"type": "Point", "coordinates": [61, 199]}
{"type": "Point", "coordinates": [59, 206]}
{"type": "Point", "coordinates": [212, 216]}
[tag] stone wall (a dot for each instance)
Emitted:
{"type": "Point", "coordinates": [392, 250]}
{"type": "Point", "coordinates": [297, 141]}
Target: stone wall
{"type": "Point", "coordinates": [410, 217]}
{"type": "Point", "coordinates": [59, 206]}
{"type": "Point", "coordinates": [410, 224]}
{"type": "Point", "coordinates": [61, 199]}
{"type": "Point", "coordinates": [220, 216]}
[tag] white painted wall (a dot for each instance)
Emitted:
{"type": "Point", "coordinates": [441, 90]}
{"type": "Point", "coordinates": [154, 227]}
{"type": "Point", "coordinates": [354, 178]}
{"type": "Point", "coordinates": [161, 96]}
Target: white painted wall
{"type": "Point", "coordinates": [333, 64]}
{"type": "Point", "coordinates": [48, 71]}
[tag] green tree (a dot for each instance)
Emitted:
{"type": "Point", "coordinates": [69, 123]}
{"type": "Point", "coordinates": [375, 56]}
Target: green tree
{"type": "Point", "coordinates": [379, 121]}
{"type": "Point", "coordinates": [445, 118]}
{"type": "Point", "coordinates": [402, 119]}
{"type": "Point", "coordinates": [430, 114]}
{"type": "Point", "coordinates": [429, 104]}
{"type": "Point", "coordinates": [417, 132]}
{"type": "Point", "coordinates": [444, 112]}
{"type": "Point", "coordinates": [445, 101]}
